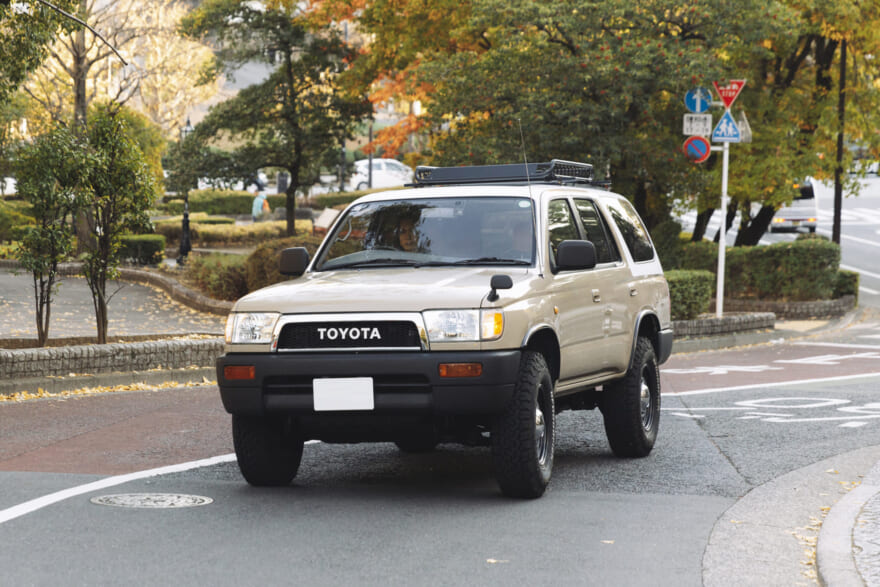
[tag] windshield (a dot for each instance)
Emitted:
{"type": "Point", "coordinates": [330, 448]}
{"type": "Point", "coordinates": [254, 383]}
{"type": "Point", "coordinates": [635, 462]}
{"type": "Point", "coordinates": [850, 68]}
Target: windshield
{"type": "Point", "coordinates": [437, 231]}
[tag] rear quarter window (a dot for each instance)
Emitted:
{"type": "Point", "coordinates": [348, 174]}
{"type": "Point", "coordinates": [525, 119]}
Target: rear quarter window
{"type": "Point", "coordinates": [634, 233]}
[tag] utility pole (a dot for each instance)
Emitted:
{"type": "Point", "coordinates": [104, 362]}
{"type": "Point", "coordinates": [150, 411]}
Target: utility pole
{"type": "Point", "coordinates": [838, 171]}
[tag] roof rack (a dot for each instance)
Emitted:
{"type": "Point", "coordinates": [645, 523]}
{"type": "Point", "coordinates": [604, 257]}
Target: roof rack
{"type": "Point", "coordinates": [555, 171]}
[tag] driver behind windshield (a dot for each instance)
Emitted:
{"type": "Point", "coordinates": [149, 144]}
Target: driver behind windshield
{"type": "Point", "coordinates": [407, 237]}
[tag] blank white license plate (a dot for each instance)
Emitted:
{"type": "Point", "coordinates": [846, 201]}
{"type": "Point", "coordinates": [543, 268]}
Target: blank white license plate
{"type": "Point", "coordinates": [346, 393]}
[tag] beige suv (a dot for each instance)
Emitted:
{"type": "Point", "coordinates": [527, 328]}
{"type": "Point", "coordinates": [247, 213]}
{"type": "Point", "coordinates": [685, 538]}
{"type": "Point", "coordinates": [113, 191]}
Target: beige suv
{"type": "Point", "coordinates": [471, 308]}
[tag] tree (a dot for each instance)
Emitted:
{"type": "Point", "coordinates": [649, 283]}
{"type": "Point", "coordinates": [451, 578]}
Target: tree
{"type": "Point", "coordinates": [51, 174]}
{"type": "Point", "coordinates": [26, 28]}
{"type": "Point", "coordinates": [796, 112]}
{"type": "Point", "coordinates": [298, 118]}
{"type": "Point", "coordinates": [163, 77]}
{"type": "Point", "coordinates": [121, 191]}
{"type": "Point", "coordinates": [604, 82]}
{"type": "Point", "coordinates": [395, 37]}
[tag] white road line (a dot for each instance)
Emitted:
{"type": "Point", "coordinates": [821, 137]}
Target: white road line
{"type": "Point", "coordinates": [840, 345]}
{"type": "Point", "coordinates": [770, 384]}
{"type": "Point", "coordinates": [53, 498]}
{"type": "Point", "coordinates": [852, 238]}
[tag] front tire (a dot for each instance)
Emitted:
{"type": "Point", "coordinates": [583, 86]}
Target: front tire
{"type": "Point", "coordinates": [523, 437]}
{"type": "Point", "coordinates": [269, 450]}
{"type": "Point", "coordinates": [631, 405]}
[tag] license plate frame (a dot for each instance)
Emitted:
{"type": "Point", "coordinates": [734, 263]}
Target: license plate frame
{"type": "Point", "coordinates": [339, 394]}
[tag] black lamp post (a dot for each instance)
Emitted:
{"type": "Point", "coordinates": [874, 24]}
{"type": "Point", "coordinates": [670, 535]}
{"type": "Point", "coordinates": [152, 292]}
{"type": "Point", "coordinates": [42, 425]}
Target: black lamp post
{"type": "Point", "coordinates": [185, 243]}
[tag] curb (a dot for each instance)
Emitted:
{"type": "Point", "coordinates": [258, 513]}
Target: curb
{"type": "Point", "coordinates": [839, 540]}
{"type": "Point", "coordinates": [70, 383]}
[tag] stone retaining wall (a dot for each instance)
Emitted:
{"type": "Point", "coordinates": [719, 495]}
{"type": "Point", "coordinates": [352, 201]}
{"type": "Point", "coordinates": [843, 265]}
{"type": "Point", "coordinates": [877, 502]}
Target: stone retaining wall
{"type": "Point", "coordinates": [795, 310]}
{"type": "Point", "coordinates": [108, 358]}
{"type": "Point", "coordinates": [713, 326]}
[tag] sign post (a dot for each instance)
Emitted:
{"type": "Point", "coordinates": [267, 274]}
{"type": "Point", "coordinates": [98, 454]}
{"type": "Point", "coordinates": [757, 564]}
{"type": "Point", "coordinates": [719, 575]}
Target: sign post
{"type": "Point", "coordinates": [725, 132]}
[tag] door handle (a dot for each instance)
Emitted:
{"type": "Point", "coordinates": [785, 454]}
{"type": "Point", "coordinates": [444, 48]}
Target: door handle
{"type": "Point", "coordinates": [597, 297]}
{"type": "Point", "coordinates": [633, 292]}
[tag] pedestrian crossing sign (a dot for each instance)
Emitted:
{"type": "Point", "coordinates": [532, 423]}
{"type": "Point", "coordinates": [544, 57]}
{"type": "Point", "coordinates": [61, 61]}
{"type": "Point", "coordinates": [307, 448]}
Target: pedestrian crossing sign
{"type": "Point", "coordinates": [726, 131]}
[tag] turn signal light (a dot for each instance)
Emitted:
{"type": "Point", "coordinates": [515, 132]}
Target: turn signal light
{"type": "Point", "coordinates": [461, 369]}
{"type": "Point", "coordinates": [239, 372]}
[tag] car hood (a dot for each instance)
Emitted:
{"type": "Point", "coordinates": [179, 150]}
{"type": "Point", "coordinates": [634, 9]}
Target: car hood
{"type": "Point", "coordinates": [386, 290]}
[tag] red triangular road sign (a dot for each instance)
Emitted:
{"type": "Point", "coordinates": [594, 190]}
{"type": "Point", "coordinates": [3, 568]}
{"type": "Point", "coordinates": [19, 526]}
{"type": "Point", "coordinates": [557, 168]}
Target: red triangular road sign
{"type": "Point", "coordinates": [729, 92]}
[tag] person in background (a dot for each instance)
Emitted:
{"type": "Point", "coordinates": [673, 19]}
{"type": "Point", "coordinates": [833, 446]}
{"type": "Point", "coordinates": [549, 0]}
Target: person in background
{"type": "Point", "coordinates": [260, 206]}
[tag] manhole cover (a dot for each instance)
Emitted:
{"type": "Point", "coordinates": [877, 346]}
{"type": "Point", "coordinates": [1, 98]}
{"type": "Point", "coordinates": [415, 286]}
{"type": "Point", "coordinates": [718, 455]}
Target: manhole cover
{"type": "Point", "coordinates": [152, 500]}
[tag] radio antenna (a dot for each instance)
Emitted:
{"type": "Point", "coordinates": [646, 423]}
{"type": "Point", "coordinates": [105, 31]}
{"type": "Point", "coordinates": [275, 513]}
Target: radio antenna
{"type": "Point", "coordinates": [522, 142]}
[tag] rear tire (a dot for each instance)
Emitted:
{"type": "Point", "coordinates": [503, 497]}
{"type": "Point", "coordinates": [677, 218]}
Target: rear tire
{"type": "Point", "coordinates": [269, 450]}
{"type": "Point", "coordinates": [631, 405]}
{"type": "Point", "coordinates": [523, 437]}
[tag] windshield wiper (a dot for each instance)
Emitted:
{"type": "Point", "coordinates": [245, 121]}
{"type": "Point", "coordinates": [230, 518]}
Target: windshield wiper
{"type": "Point", "coordinates": [491, 261]}
{"type": "Point", "coordinates": [384, 261]}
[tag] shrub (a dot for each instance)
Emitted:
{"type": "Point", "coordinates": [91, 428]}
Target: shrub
{"type": "Point", "coordinates": [847, 283]}
{"type": "Point", "coordinates": [142, 249]}
{"type": "Point", "coordinates": [792, 271]}
{"type": "Point", "coordinates": [262, 265]}
{"type": "Point", "coordinates": [701, 255]}
{"type": "Point", "coordinates": [335, 199]}
{"type": "Point", "coordinates": [230, 234]}
{"type": "Point", "coordinates": [14, 217]}
{"type": "Point", "coordinates": [803, 270]}
{"type": "Point", "coordinates": [690, 292]}
{"type": "Point", "coordinates": [220, 276]}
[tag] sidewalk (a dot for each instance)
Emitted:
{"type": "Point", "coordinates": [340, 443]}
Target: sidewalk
{"type": "Point", "coordinates": [848, 548]}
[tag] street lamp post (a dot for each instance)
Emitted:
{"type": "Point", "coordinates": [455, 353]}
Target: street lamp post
{"type": "Point", "coordinates": [185, 242]}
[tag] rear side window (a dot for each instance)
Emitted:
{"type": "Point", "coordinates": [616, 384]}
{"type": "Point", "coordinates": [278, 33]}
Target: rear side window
{"type": "Point", "coordinates": [635, 235]}
{"type": "Point", "coordinates": [560, 225]}
{"type": "Point", "coordinates": [597, 233]}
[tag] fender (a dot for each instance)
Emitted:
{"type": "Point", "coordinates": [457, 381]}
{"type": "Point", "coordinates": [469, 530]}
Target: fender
{"type": "Point", "coordinates": [648, 325]}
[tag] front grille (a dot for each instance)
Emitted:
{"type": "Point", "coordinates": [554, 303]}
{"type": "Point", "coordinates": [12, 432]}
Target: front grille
{"type": "Point", "coordinates": [347, 335]}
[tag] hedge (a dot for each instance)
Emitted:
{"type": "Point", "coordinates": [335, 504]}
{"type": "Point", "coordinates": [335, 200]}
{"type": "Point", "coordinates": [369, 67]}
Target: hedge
{"type": "Point", "coordinates": [220, 276]}
{"type": "Point", "coordinates": [142, 249]}
{"type": "Point", "coordinates": [14, 218]}
{"type": "Point", "coordinates": [230, 234]}
{"type": "Point", "coordinates": [229, 277]}
{"type": "Point", "coordinates": [802, 270]}
{"type": "Point", "coordinates": [847, 283]}
{"type": "Point", "coordinates": [262, 265]}
{"type": "Point", "coordinates": [690, 292]}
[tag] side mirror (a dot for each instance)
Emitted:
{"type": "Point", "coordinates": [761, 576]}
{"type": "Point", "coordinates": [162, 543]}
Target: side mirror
{"type": "Point", "coordinates": [575, 254]}
{"type": "Point", "coordinates": [294, 261]}
{"type": "Point", "coordinates": [497, 282]}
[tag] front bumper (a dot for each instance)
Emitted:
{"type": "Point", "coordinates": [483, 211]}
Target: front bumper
{"type": "Point", "coordinates": [403, 382]}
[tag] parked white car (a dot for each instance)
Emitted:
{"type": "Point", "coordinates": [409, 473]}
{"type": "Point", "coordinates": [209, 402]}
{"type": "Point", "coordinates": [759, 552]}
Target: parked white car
{"type": "Point", "coordinates": [386, 173]}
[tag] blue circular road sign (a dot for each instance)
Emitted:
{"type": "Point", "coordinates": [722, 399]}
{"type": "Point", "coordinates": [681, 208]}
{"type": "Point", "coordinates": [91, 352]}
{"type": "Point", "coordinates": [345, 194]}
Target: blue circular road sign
{"type": "Point", "coordinates": [698, 100]}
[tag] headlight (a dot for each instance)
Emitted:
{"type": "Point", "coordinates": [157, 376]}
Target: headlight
{"type": "Point", "coordinates": [253, 328]}
{"type": "Point", "coordinates": [464, 325]}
